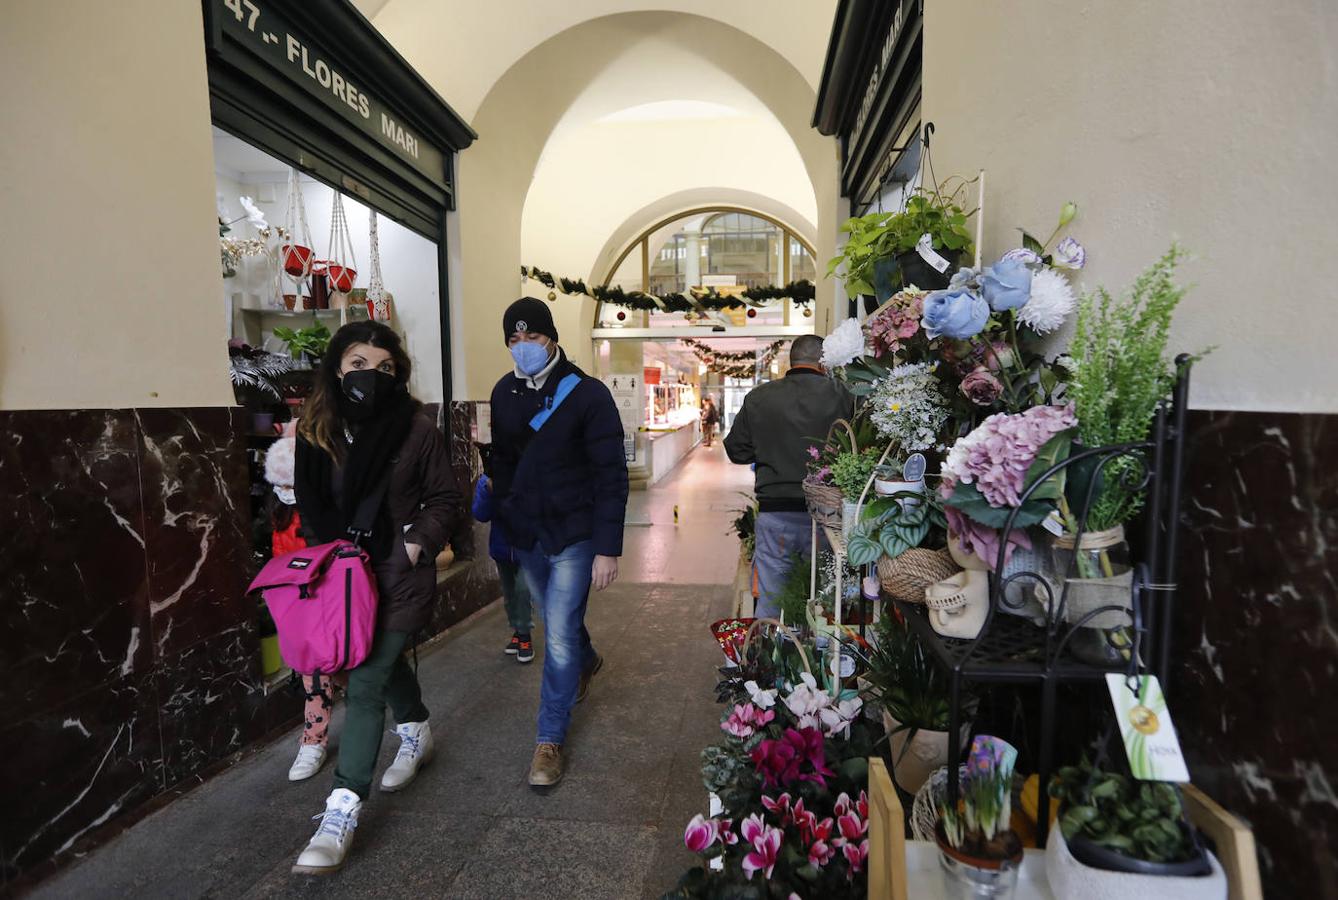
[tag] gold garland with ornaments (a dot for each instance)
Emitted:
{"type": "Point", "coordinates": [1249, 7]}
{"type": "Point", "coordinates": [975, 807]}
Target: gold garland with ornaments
{"type": "Point", "coordinates": [733, 364]}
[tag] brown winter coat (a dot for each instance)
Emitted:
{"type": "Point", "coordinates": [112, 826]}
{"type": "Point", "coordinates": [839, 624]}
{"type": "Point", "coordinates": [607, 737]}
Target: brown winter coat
{"type": "Point", "coordinates": [423, 496]}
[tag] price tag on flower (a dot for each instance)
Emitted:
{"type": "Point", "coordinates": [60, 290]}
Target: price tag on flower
{"type": "Point", "coordinates": [925, 247]}
{"type": "Point", "coordinates": [914, 469]}
{"type": "Point", "coordinates": [1149, 737]}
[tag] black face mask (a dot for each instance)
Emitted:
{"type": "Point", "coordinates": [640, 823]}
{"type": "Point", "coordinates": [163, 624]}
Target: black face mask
{"type": "Point", "coordinates": [365, 392]}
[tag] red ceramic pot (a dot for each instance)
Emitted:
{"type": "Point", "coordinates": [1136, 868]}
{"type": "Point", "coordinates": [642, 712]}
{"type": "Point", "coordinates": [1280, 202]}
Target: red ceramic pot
{"type": "Point", "coordinates": [296, 259]}
{"type": "Point", "coordinates": [342, 278]}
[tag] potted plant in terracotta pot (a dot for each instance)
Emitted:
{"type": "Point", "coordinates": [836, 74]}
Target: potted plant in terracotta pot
{"type": "Point", "coordinates": [912, 691]}
{"type": "Point", "coordinates": [1122, 839]}
{"type": "Point", "coordinates": [978, 852]}
{"type": "Point", "coordinates": [1119, 375]}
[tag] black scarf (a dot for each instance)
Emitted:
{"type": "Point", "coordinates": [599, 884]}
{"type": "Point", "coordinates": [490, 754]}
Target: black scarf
{"type": "Point", "coordinates": [375, 445]}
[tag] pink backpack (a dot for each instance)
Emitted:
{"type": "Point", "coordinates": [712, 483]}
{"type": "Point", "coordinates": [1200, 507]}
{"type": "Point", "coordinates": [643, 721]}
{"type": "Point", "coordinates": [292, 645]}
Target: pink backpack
{"type": "Point", "coordinates": [323, 600]}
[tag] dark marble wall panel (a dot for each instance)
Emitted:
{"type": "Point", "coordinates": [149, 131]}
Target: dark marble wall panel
{"type": "Point", "coordinates": [73, 597]}
{"type": "Point", "coordinates": [1257, 635]}
{"type": "Point", "coordinates": [197, 534]}
{"type": "Point", "coordinates": [70, 767]}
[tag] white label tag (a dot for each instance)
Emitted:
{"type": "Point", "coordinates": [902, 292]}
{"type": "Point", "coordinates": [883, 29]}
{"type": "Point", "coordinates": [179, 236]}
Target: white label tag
{"type": "Point", "coordinates": [925, 247]}
{"type": "Point", "coordinates": [1145, 726]}
{"type": "Point", "coordinates": [1053, 524]}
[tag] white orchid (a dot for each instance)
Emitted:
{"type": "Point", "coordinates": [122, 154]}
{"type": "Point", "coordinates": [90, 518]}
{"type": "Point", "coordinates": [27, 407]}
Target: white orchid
{"type": "Point", "coordinates": [844, 345]}
{"type": "Point", "coordinates": [253, 214]}
{"type": "Point", "coordinates": [1052, 301]}
{"type": "Point", "coordinates": [761, 699]}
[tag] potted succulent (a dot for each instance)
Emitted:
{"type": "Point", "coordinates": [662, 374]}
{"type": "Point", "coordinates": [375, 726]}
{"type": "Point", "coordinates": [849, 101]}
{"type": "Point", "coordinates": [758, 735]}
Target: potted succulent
{"type": "Point", "coordinates": [912, 691]}
{"type": "Point", "coordinates": [978, 852]}
{"type": "Point", "coordinates": [1119, 375]}
{"type": "Point", "coordinates": [1122, 839]}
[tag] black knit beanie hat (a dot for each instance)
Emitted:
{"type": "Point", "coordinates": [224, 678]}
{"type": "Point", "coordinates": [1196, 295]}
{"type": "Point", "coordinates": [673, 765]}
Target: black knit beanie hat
{"type": "Point", "coordinates": [528, 314]}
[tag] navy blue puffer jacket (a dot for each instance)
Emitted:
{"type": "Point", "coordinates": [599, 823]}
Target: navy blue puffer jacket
{"type": "Point", "coordinates": [567, 482]}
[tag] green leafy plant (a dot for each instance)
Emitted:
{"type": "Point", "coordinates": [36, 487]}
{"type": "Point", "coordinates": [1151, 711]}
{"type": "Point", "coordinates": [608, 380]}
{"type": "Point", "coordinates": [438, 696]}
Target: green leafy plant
{"type": "Point", "coordinates": [1139, 819]}
{"type": "Point", "coordinates": [312, 340]}
{"type": "Point", "coordinates": [881, 235]}
{"type": "Point", "coordinates": [851, 471]}
{"type": "Point", "coordinates": [745, 526]}
{"type": "Point", "coordinates": [793, 597]}
{"type": "Point", "coordinates": [1120, 373]}
{"type": "Point", "coordinates": [890, 527]}
{"type": "Point", "coordinates": [902, 678]}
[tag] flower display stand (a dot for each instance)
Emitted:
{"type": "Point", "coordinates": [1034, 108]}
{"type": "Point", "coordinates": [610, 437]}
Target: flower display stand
{"type": "Point", "coordinates": [1010, 649]}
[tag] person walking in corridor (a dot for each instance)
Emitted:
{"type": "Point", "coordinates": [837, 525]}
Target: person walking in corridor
{"type": "Point", "coordinates": [710, 419]}
{"type": "Point", "coordinates": [560, 489]}
{"type": "Point", "coordinates": [515, 593]}
{"type": "Point", "coordinates": [363, 433]}
{"type": "Point", "coordinates": [772, 431]}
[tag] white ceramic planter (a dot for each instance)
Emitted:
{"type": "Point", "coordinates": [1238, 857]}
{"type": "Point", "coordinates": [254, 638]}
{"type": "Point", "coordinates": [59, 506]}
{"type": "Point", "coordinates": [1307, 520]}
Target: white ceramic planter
{"type": "Point", "coordinates": [928, 751]}
{"type": "Point", "coordinates": [1071, 879]}
{"type": "Point", "coordinates": [888, 488]}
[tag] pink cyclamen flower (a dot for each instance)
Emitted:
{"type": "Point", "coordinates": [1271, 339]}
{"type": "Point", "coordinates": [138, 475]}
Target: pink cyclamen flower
{"type": "Point", "coordinates": [852, 827]}
{"type": "Point", "coordinates": [752, 828]}
{"type": "Point", "coordinates": [780, 808]}
{"type": "Point", "coordinates": [862, 805]}
{"type": "Point", "coordinates": [856, 854]}
{"type": "Point", "coordinates": [766, 850]}
{"type": "Point", "coordinates": [820, 853]}
{"type": "Point", "coordinates": [700, 833]}
{"type": "Point", "coordinates": [842, 805]}
{"type": "Point", "coordinates": [745, 719]}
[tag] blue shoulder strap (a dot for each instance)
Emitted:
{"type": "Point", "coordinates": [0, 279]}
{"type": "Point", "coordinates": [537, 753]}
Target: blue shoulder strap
{"type": "Point", "coordinates": [565, 387]}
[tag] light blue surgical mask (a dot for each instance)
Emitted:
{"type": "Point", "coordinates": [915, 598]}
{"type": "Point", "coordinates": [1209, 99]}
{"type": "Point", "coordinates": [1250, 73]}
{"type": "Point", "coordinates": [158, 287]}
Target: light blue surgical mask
{"type": "Point", "coordinates": [530, 357]}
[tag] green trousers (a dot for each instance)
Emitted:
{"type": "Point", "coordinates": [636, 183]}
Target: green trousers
{"type": "Point", "coordinates": [384, 679]}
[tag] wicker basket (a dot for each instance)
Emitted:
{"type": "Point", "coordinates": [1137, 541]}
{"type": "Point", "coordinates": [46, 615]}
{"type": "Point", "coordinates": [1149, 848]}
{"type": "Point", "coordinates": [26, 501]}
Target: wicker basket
{"type": "Point", "coordinates": [824, 503]}
{"type": "Point", "coordinates": [824, 500]}
{"type": "Point", "coordinates": [906, 577]}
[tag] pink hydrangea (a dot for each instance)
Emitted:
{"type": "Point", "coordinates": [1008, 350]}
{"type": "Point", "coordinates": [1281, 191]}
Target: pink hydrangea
{"type": "Point", "coordinates": [899, 322]}
{"type": "Point", "coordinates": [995, 456]}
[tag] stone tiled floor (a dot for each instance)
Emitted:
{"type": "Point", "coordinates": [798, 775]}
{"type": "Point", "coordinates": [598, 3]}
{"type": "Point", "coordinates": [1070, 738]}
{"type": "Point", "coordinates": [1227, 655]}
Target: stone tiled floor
{"type": "Point", "coordinates": [470, 826]}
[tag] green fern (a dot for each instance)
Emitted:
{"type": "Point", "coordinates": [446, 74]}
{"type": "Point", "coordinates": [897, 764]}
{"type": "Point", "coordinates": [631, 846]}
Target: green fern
{"type": "Point", "coordinates": [1121, 373]}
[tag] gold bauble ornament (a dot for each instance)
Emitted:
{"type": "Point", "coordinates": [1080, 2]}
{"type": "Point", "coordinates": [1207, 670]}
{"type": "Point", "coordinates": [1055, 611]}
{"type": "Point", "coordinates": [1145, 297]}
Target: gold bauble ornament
{"type": "Point", "coordinates": [808, 313]}
{"type": "Point", "coordinates": [552, 296]}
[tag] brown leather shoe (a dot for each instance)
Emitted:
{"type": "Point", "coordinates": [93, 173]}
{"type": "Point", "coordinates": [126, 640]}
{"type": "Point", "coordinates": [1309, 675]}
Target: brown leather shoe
{"type": "Point", "coordinates": [546, 768]}
{"type": "Point", "coordinates": [583, 687]}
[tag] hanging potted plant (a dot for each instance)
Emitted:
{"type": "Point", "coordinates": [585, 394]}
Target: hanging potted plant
{"type": "Point", "coordinates": [1122, 839]}
{"type": "Point", "coordinates": [341, 267]}
{"type": "Point", "coordinates": [979, 853]}
{"type": "Point", "coordinates": [912, 691]}
{"type": "Point", "coordinates": [1119, 375]}
{"type": "Point", "coordinates": [295, 253]}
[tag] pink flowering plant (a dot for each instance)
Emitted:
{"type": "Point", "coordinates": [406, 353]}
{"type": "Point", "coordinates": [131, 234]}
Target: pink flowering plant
{"type": "Point", "coordinates": [791, 773]}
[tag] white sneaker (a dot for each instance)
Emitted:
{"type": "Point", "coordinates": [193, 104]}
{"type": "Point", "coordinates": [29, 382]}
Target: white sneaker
{"type": "Point", "coordinates": [310, 758]}
{"type": "Point", "coordinates": [415, 751]}
{"type": "Point", "coordinates": [327, 848]}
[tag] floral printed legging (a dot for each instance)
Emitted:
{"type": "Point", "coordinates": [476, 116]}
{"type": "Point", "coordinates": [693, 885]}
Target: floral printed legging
{"type": "Point", "coordinates": [320, 702]}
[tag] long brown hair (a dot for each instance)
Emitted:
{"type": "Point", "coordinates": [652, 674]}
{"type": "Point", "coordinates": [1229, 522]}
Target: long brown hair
{"type": "Point", "coordinates": [321, 424]}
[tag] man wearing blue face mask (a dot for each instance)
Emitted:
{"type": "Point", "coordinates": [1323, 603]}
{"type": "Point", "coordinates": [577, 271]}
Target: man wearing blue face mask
{"type": "Point", "coordinates": [560, 489]}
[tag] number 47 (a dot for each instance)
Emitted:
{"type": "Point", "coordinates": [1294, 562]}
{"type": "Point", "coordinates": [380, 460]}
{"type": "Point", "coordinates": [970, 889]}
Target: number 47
{"type": "Point", "coordinates": [236, 7]}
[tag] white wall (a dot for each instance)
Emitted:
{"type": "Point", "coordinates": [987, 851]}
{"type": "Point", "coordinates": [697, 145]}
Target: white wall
{"type": "Point", "coordinates": [1214, 122]}
{"type": "Point", "coordinates": [108, 247]}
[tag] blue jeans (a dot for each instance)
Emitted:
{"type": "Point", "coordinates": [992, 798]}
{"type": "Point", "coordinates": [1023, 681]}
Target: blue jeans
{"type": "Point", "coordinates": [780, 536]}
{"type": "Point", "coordinates": [560, 586]}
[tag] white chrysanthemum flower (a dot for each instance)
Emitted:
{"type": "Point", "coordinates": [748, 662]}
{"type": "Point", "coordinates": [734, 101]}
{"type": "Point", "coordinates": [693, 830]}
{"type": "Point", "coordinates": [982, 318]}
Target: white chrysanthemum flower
{"type": "Point", "coordinates": [1051, 302]}
{"type": "Point", "coordinates": [844, 345]}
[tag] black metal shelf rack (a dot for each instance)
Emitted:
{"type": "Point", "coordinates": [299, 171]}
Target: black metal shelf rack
{"type": "Point", "coordinates": [1012, 650]}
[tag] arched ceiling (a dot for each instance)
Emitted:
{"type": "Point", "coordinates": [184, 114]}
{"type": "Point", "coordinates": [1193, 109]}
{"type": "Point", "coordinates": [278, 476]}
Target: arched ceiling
{"type": "Point", "coordinates": [463, 47]}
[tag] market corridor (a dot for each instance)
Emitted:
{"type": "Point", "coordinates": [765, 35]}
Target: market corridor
{"type": "Point", "coordinates": [470, 826]}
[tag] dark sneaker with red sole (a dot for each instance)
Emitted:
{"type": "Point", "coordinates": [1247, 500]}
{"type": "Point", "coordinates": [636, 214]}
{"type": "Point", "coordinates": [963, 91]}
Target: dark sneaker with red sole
{"type": "Point", "coordinates": [513, 645]}
{"type": "Point", "coordinates": [526, 652]}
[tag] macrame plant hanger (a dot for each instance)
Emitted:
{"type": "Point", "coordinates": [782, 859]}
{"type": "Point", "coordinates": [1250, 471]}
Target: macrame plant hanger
{"type": "Point", "coordinates": [378, 301]}
{"type": "Point", "coordinates": [341, 265]}
{"type": "Point", "coordinates": [295, 253]}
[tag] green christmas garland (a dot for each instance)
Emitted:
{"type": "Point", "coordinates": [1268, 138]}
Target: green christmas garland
{"type": "Point", "coordinates": [800, 292]}
{"type": "Point", "coordinates": [733, 364]}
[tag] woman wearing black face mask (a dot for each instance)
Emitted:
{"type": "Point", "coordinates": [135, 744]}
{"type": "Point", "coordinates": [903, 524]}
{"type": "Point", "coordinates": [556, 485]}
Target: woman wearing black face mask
{"type": "Point", "coordinates": [363, 434]}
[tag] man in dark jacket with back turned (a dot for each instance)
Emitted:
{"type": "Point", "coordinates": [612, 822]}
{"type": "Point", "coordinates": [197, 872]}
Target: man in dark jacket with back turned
{"type": "Point", "coordinates": [777, 424]}
{"type": "Point", "coordinates": [560, 484]}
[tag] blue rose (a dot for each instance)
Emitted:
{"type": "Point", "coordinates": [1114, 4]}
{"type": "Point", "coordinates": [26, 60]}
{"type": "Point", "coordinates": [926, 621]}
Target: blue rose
{"type": "Point", "coordinates": [955, 314]}
{"type": "Point", "coordinates": [1006, 284]}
